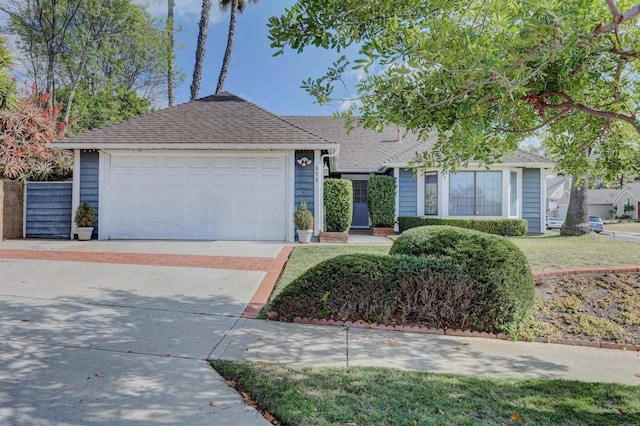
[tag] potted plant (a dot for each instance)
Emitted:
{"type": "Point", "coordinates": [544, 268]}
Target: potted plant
{"type": "Point", "coordinates": [84, 218]}
{"type": "Point", "coordinates": [303, 220]}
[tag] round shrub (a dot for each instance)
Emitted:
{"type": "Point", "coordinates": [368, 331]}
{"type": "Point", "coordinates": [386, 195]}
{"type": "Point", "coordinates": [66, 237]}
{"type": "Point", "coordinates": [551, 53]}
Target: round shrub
{"type": "Point", "coordinates": [381, 289]}
{"type": "Point", "coordinates": [505, 284]}
{"type": "Point", "coordinates": [338, 204]}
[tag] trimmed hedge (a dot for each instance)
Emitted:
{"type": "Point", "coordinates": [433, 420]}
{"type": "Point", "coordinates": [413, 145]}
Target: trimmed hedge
{"type": "Point", "coordinates": [504, 227]}
{"type": "Point", "coordinates": [338, 204]}
{"type": "Point", "coordinates": [381, 289]}
{"type": "Point", "coordinates": [382, 200]}
{"type": "Point", "coordinates": [506, 285]}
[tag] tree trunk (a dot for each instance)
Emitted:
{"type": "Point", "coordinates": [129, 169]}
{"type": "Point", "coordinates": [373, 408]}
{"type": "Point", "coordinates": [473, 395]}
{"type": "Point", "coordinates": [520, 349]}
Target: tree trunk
{"type": "Point", "coordinates": [200, 49]}
{"type": "Point", "coordinates": [171, 82]}
{"type": "Point", "coordinates": [229, 49]}
{"type": "Point", "coordinates": [577, 220]}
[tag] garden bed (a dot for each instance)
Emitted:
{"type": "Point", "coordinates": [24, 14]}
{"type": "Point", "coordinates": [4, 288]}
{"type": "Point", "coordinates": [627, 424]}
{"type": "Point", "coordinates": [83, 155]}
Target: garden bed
{"type": "Point", "coordinates": [596, 308]}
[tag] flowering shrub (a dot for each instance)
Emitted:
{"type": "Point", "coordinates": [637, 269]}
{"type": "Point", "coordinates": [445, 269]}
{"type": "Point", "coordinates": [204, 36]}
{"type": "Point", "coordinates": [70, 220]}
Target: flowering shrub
{"type": "Point", "coordinates": [25, 132]}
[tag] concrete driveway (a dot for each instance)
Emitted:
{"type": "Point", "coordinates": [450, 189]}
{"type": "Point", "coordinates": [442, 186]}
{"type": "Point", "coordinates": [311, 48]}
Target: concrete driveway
{"type": "Point", "coordinates": [106, 332]}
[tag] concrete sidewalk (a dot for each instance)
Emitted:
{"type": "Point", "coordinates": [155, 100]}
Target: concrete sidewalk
{"type": "Point", "coordinates": [303, 344]}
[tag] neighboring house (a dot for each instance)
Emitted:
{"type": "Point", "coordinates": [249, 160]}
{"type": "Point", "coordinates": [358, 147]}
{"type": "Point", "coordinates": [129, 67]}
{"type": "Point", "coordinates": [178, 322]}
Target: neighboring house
{"type": "Point", "coordinates": [600, 202]}
{"type": "Point", "coordinates": [224, 168]}
{"type": "Point", "coordinates": [558, 189]}
{"type": "Point", "coordinates": [629, 195]}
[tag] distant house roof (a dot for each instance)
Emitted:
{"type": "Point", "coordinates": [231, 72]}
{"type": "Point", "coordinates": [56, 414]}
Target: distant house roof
{"type": "Point", "coordinates": [224, 120]}
{"type": "Point", "coordinates": [631, 190]}
{"type": "Point", "coordinates": [366, 150]}
{"type": "Point", "coordinates": [556, 187]}
{"type": "Point", "coordinates": [602, 196]}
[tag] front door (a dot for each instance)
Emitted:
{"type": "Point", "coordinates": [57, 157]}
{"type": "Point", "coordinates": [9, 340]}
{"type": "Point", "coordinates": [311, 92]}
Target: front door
{"type": "Point", "coordinates": [360, 209]}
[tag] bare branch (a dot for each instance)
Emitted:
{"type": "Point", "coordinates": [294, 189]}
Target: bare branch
{"type": "Point", "coordinates": [617, 20]}
{"type": "Point", "coordinates": [614, 9]}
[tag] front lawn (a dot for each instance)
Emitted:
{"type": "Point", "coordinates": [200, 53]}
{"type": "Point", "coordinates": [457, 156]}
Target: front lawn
{"type": "Point", "coordinates": [359, 396]}
{"type": "Point", "coordinates": [590, 251]}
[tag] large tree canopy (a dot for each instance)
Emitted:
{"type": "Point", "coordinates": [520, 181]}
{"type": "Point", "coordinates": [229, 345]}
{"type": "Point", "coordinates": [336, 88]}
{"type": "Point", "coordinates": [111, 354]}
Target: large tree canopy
{"type": "Point", "coordinates": [486, 74]}
{"type": "Point", "coordinates": [88, 45]}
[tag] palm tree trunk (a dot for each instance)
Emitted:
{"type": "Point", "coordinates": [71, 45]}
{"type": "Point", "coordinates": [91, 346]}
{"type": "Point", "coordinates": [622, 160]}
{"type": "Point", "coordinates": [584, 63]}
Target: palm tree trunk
{"type": "Point", "coordinates": [171, 82]}
{"type": "Point", "coordinates": [227, 52]}
{"type": "Point", "coordinates": [201, 48]}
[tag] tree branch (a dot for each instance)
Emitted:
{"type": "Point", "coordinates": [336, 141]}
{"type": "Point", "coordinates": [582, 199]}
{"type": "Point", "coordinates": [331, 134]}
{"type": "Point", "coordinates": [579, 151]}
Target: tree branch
{"type": "Point", "coordinates": [570, 104]}
{"type": "Point", "coordinates": [618, 19]}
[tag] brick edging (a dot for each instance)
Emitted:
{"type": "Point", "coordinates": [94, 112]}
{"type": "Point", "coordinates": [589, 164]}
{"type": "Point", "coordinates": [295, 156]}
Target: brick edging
{"type": "Point", "coordinates": [462, 333]}
{"type": "Point", "coordinates": [268, 283]}
{"type": "Point", "coordinates": [540, 276]}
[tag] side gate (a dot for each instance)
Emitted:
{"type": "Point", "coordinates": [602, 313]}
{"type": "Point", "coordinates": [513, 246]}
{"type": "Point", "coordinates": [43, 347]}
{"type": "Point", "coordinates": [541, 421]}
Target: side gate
{"type": "Point", "coordinates": [47, 209]}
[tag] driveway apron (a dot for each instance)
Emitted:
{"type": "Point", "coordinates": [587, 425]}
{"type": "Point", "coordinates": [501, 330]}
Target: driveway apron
{"type": "Point", "coordinates": [119, 332]}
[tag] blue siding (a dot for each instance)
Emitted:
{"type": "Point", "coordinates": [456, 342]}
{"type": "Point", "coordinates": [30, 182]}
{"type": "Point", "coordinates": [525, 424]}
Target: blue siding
{"type": "Point", "coordinates": [304, 181]}
{"type": "Point", "coordinates": [89, 163]}
{"type": "Point", "coordinates": [48, 209]}
{"type": "Point", "coordinates": [531, 208]}
{"type": "Point", "coordinates": [408, 191]}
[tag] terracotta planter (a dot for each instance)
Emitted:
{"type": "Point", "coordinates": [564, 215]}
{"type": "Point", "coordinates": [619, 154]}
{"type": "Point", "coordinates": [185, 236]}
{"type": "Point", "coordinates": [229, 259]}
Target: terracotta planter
{"type": "Point", "coordinates": [334, 237]}
{"type": "Point", "coordinates": [382, 232]}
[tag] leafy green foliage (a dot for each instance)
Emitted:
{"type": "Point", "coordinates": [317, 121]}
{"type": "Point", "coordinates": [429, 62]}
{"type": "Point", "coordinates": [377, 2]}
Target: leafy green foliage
{"type": "Point", "coordinates": [382, 289]}
{"type": "Point", "coordinates": [302, 217]}
{"type": "Point", "coordinates": [7, 84]}
{"type": "Point", "coordinates": [382, 200]}
{"type": "Point", "coordinates": [338, 204]}
{"type": "Point", "coordinates": [486, 75]}
{"type": "Point", "coordinates": [505, 283]}
{"type": "Point", "coordinates": [504, 227]}
{"type": "Point", "coordinates": [85, 215]}
{"type": "Point", "coordinates": [102, 107]}
{"type": "Point", "coordinates": [92, 46]}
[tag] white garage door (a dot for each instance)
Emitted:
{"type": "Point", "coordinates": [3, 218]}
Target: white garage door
{"type": "Point", "coordinates": [222, 197]}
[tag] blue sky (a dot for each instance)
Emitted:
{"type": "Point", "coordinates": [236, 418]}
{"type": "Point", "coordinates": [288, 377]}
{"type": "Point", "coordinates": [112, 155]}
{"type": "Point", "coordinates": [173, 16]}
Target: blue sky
{"type": "Point", "coordinates": [271, 82]}
{"type": "Point", "coordinates": [254, 74]}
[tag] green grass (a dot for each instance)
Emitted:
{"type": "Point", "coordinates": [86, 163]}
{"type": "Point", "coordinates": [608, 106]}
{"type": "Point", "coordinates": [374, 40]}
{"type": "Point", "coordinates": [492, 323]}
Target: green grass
{"type": "Point", "coordinates": [376, 396]}
{"type": "Point", "coordinates": [589, 251]}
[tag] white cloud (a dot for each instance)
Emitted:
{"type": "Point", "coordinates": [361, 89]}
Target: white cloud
{"type": "Point", "coordinates": [359, 74]}
{"type": "Point", "coordinates": [347, 103]}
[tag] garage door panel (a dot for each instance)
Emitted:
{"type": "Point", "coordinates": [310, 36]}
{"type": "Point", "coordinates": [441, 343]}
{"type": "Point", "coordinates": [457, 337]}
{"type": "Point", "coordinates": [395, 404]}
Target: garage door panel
{"type": "Point", "coordinates": [189, 197]}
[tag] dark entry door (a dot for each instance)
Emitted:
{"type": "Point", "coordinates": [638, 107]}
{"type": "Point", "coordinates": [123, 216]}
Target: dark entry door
{"type": "Point", "coordinates": [360, 209]}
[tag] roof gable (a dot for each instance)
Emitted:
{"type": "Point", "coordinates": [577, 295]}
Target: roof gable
{"type": "Point", "coordinates": [631, 190]}
{"type": "Point", "coordinates": [218, 119]}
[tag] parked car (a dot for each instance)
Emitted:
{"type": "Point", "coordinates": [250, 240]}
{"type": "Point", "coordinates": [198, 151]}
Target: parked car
{"type": "Point", "coordinates": [554, 222]}
{"type": "Point", "coordinates": [596, 224]}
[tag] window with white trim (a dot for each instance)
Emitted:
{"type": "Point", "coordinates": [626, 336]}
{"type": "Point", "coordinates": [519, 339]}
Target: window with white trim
{"type": "Point", "coordinates": [431, 193]}
{"type": "Point", "coordinates": [475, 193]}
{"type": "Point", "coordinates": [513, 194]}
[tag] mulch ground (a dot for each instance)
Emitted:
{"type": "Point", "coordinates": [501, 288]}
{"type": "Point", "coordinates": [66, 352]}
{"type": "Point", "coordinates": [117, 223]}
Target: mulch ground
{"type": "Point", "coordinates": [602, 308]}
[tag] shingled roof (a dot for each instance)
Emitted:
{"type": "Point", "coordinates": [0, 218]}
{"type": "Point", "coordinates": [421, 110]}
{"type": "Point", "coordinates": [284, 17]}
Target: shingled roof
{"type": "Point", "coordinates": [223, 119]}
{"type": "Point", "coordinates": [365, 150]}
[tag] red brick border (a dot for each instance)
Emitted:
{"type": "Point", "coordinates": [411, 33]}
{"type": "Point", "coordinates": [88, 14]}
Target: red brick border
{"type": "Point", "coordinates": [150, 259]}
{"type": "Point", "coordinates": [261, 296]}
{"type": "Point", "coordinates": [540, 276]}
